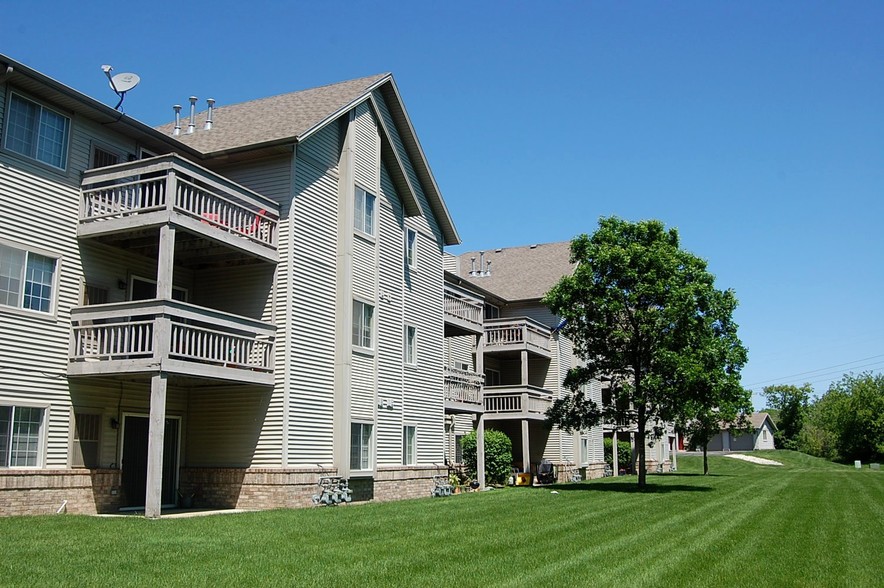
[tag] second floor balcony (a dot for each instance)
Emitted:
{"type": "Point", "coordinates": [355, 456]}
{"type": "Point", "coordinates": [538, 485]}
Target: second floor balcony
{"type": "Point", "coordinates": [463, 312]}
{"type": "Point", "coordinates": [151, 336]}
{"type": "Point", "coordinates": [522, 402]}
{"type": "Point", "coordinates": [508, 336]}
{"type": "Point", "coordinates": [463, 391]}
{"type": "Point", "coordinates": [122, 204]}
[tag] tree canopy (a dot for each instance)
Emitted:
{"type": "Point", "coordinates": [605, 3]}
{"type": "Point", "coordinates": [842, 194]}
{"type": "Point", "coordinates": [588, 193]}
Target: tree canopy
{"type": "Point", "coordinates": [791, 404]}
{"type": "Point", "coordinates": [645, 315]}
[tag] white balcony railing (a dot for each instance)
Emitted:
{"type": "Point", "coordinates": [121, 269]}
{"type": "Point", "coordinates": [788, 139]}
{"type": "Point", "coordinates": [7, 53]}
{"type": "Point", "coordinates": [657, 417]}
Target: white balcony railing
{"type": "Point", "coordinates": [133, 335]}
{"type": "Point", "coordinates": [463, 386]}
{"type": "Point", "coordinates": [144, 186]}
{"type": "Point", "coordinates": [521, 333]}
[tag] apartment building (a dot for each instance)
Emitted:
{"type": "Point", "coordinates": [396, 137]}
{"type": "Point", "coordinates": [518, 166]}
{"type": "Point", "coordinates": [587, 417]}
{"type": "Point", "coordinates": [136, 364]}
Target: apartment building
{"type": "Point", "coordinates": [520, 358]}
{"type": "Point", "coordinates": [228, 308]}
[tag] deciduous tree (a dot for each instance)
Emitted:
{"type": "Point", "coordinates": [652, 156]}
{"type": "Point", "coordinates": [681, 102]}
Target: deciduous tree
{"type": "Point", "coordinates": [791, 404]}
{"type": "Point", "coordinates": [641, 312]}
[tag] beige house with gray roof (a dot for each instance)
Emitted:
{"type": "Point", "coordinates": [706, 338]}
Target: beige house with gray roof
{"type": "Point", "coordinates": [224, 313]}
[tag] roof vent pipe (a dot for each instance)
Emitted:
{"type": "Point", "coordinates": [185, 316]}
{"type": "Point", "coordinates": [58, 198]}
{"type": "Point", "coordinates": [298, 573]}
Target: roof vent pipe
{"type": "Point", "coordinates": [481, 262]}
{"type": "Point", "coordinates": [473, 266]}
{"type": "Point", "coordinates": [488, 268]}
{"type": "Point", "coordinates": [177, 130]}
{"type": "Point", "coordinates": [192, 125]}
{"type": "Point", "coordinates": [211, 103]}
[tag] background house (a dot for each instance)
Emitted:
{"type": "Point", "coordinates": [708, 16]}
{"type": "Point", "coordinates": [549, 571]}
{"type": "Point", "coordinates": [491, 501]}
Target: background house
{"type": "Point", "coordinates": [759, 436]}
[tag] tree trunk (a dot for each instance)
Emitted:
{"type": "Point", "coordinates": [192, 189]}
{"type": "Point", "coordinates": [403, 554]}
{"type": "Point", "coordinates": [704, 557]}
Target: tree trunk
{"type": "Point", "coordinates": [705, 460]}
{"type": "Point", "coordinates": [640, 443]}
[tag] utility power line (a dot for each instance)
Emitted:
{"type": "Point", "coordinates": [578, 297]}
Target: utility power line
{"type": "Point", "coordinates": [815, 373]}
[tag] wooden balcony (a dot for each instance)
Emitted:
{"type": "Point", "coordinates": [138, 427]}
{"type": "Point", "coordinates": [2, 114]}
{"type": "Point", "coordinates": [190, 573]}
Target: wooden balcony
{"type": "Point", "coordinates": [463, 391]}
{"type": "Point", "coordinates": [464, 312]}
{"type": "Point", "coordinates": [150, 336]}
{"type": "Point", "coordinates": [119, 203]}
{"type": "Point", "coordinates": [509, 336]}
{"type": "Point", "coordinates": [516, 402]}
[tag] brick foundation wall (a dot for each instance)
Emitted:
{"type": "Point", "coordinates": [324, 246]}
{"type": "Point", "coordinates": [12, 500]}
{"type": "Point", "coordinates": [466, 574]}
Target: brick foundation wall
{"type": "Point", "coordinates": [33, 492]}
{"type": "Point", "coordinates": [36, 492]}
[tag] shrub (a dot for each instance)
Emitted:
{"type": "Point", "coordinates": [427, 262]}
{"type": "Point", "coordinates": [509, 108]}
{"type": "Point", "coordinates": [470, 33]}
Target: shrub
{"type": "Point", "coordinates": [498, 455]}
{"type": "Point", "coordinates": [624, 453]}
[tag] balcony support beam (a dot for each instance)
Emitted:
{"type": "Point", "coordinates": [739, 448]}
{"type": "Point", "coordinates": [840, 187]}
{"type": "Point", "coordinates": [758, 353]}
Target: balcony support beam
{"type": "Point", "coordinates": [526, 447]}
{"type": "Point", "coordinates": [616, 467]}
{"type": "Point", "coordinates": [153, 496]}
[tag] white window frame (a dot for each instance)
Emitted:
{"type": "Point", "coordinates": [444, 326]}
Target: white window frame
{"type": "Point", "coordinates": [584, 451]}
{"type": "Point", "coordinates": [458, 447]}
{"type": "Point", "coordinates": [409, 444]}
{"type": "Point", "coordinates": [34, 149]}
{"type": "Point", "coordinates": [491, 311]}
{"type": "Point", "coordinates": [361, 462]}
{"type": "Point", "coordinates": [489, 371]}
{"type": "Point", "coordinates": [6, 452]}
{"type": "Point", "coordinates": [409, 352]}
{"type": "Point", "coordinates": [362, 330]}
{"type": "Point", "coordinates": [411, 248]}
{"type": "Point", "coordinates": [23, 281]}
{"type": "Point", "coordinates": [364, 220]}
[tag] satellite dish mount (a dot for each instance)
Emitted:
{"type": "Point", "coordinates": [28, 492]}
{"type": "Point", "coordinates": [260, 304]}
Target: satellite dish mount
{"type": "Point", "coordinates": [120, 83]}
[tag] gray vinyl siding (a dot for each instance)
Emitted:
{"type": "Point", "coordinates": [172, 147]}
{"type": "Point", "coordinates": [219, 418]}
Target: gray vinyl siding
{"type": "Point", "coordinates": [313, 222]}
{"type": "Point", "coordinates": [364, 270]}
{"type": "Point", "coordinates": [362, 388]}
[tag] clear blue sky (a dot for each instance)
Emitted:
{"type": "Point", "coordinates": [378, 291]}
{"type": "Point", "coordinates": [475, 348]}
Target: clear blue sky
{"type": "Point", "coordinates": [756, 128]}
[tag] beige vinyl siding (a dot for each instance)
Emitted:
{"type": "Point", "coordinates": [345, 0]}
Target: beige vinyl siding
{"type": "Point", "coordinates": [224, 425]}
{"type": "Point", "coordinates": [423, 386]}
{"type": "Point", "coordinates": [366, 162]}
{"type": "Point", "coordinates": [427, 223]}
{"type": "Point", "coordinates": [113, 399]}
{"type": "Point", "coordinates": [532, 310]}
{"type": "Point", "coordinates": [323, 149]}
{"type": "Point", "coordinates": [560, 445]}
{"type": "Point", "coordinates": [250, 294]}
{"type": "Point", "coordinates": [312, 301]}
{"type": "Point", "coordinates": [362, 392]}
{"type": "Point", "coordinates": [271, 177]}
{"type": "Point", "coordinates": [460, 350]}
{"type": "Point", "coordinates": [364, 268]}
{"type": "Point", "coordinates": [390, 325]}
{"type": "Point", "coordinates": [451, 263]}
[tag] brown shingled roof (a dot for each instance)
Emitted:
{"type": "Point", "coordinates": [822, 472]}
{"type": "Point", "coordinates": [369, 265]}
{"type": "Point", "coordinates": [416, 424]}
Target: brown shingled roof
{"type": "Point", "coordinates": [521, 273]}
{"type": "Point", "coordinates": [273, 119]}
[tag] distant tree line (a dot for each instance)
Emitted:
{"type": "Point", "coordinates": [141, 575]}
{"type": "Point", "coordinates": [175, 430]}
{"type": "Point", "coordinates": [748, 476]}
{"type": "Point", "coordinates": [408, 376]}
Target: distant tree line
{"type": "Point", "coordinates": [844, 424]}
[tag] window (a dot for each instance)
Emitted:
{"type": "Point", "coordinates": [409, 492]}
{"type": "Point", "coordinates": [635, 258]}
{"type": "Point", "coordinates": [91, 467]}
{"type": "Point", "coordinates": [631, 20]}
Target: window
{"type": "Point", "coordinates": [411, 248]}
{"type": "Point", "coordinates": [492, 377]}
{"type": "Point", "coordinates": [360, 446]}
{"type": "Point", "coordinates": [409, 447]}
{"type": "Point", "coordinates": [87, 430]}
{"type": "Point", "coordinates": [491, 311]}
{"type": "Point", "coordinates": [20, 433]}
{"type": "Point", "coordinates": [362, 323]}
{"type": "Point", "coordinates": [26, 279]}
{"type": "Point", "coordinates": [764, 434]}
{"type": "Point", "coordinates": [363, 218]}
{"type": "Point", "coordinates": [410, 345]}
{"type": "Point", "coordinates": [458, 448]}
{"type": "Point", "coordinates": [584, 450]}
{"type": "Point", "coordinates": [37, 132]}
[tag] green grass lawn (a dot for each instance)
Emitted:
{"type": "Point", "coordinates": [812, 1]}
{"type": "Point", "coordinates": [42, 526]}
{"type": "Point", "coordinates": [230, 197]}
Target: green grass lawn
{"type": "Point", "coordinates": [810, 523]}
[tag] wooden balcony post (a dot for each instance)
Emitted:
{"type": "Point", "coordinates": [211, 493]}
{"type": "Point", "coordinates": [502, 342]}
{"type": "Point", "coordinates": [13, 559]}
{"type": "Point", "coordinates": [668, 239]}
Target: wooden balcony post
{"type": "Point", "coordinates": [616, 467]}
{"type": "Point", "coordinates": [480, 450]}
{"type": "Point", "coordinates": [153, 496]}
{"type": "Point", "coordinates": [674, 456]}
{"type": "Point", "coordinates": [524, 367]}
{"type": "Point", "coordinates": [171, 189]}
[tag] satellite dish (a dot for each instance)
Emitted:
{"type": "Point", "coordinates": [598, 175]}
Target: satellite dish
{"type": "Point", "coordinates": [123, 82]}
